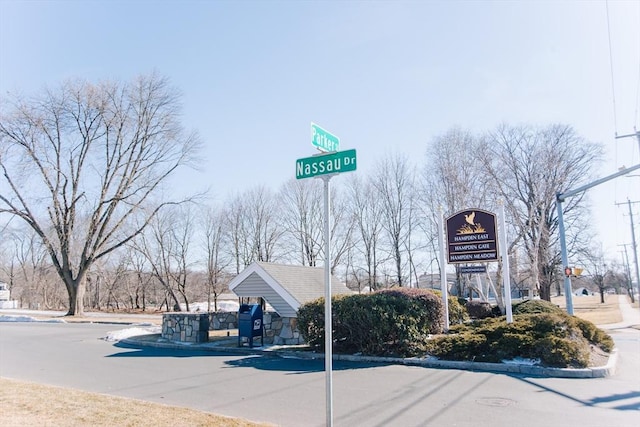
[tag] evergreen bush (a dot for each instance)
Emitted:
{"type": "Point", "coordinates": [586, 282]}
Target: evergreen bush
{"type": "Point", "coordinates": [479, 309]}
{"type": "Point", "coordinates": [394, 322]}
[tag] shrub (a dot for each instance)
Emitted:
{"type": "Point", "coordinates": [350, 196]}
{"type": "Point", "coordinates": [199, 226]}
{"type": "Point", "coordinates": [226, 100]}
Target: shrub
{"type": "Point", "coordinates": [457, 311]}
{"type": "Point", "coordinates": [479, 309]}
{"type": "Point", "coordinates": [535, 306]}
{"type": "Point", "coordinates": [391, 322]}
{"type": "Point", "coordinates": [563, 352]}
{"type": "Point", "coordinates": [496, 311]}
{"type": "Point", "coordinates": [311, 322]}
{"type": "Point", "coordinates": [595, 335]}
{"type": "Point", "coordinates": [463, 346]}
{"type": "Point", "coordinates": [556, 339]}
{"type": "Point", "coordinates": [398, 322]}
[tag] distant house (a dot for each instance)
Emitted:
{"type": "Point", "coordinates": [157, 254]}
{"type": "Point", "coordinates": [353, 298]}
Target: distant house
{"type": "Point", "coordinates": [582, 292]}
{"type": "Point", "coordinates": [284, 287]}
{"type": "Point", "coordinates": [4, 292]}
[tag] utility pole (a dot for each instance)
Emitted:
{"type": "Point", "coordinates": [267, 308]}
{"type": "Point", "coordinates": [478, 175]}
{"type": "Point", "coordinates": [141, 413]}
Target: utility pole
{"type": "Point", "coordinates": [633, 243]}
{"type": "Point", "coordinates": [627, 270]}
{"type": "Point", "coordinates": [636, 134]}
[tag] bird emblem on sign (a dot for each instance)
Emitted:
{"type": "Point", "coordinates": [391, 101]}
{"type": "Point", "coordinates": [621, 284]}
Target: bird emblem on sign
{"type": "Point", "coordinates": [469, 218]}
{"type": "Point", "coordinates": [471, 226]}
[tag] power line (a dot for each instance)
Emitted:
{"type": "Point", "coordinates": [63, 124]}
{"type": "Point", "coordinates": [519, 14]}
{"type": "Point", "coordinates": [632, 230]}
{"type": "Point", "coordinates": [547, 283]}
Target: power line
{"type": "Point", "coordinates": [613, 89]}
{"type": "Point", "coordinates": [637, 116]}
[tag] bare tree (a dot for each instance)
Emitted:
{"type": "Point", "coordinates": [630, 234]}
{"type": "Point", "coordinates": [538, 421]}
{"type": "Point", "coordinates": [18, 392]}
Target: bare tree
{"type": "Point", "coordinates": [253, 229]}
{"type": "Point", "coordinates": [341, 231]}
{"type": "Point", "coordinates": [302, 218]}
{"type": "Point", "coordinates": [596, 266]}
{"type": "Point", "coordinates": [166, 244]}
{"type": "Point", "coordinates": [394, 190]}
{"type": "Point", "coordinates": [31, 278]}
{"type": "Point", "coordinates": [215, 263]}
{"type": "Point", "coordinates": [529, 166]}
{"type": "Point", "coordinates": [453, 179]}
{"type": "Point", "coordinates": [81, 164]}
{"type": "Point", "coordinates": [236, 238]}
{"type": "Point", "coordinates": [263, 223]}
{"type": "Point", "coordinates": [368, 225]}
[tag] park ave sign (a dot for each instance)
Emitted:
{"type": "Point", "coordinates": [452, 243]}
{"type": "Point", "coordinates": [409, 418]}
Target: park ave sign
{"type": "Point", "coordinates": [338, 162]}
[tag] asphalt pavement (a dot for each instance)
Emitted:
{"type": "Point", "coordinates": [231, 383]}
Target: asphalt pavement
{"type": "Point", "coordinates": [630, 315]}
{"type": "Point", "coordinates": [289, 391]}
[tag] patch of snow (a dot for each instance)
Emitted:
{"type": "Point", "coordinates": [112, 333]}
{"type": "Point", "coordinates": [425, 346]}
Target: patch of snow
{"type": "Point", "coordinates": [7, 318]}
{"type": "Point", "coordinates": [113, 336]}
{"type": "Point", "coordinates": [522, 361]}
{"type": "Point", "coordinates": [223, 305]}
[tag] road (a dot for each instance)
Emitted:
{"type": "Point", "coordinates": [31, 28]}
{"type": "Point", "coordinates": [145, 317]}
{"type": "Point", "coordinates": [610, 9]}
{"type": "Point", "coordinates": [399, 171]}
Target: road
{"type": "Point", "coordinates": [290, 392]}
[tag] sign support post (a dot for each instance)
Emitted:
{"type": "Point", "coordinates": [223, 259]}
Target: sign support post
{"type": "Point", "coordinates": [443, 271]}
{"type": "Point", "coordinates": [504, 253]}
{"type": "Point", "coordinates": [331, 162]}
{"type": "Point", "coordinates": [328, 328]}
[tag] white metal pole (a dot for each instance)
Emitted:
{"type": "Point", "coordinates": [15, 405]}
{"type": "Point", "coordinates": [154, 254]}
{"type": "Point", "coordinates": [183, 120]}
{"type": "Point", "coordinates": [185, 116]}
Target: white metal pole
{"type": "Point", "coordinates": [633, 244]}
{"type": "Point", "coordinates": [565, 258]}
{"type": "Point", "coordinates": [443, 271]}
{"type": "Point", "coordinates": [504, 252]}
{"type": "Point", "coordinates": [328, 332]}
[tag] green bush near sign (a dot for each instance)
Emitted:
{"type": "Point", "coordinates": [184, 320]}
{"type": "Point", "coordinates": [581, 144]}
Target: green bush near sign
{"type": "Point", "coordinates": [400, 322]}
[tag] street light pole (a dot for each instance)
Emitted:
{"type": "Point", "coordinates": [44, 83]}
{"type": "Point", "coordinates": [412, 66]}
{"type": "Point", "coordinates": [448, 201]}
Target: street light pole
{"type": "Point", "coordinates": [560, 197]}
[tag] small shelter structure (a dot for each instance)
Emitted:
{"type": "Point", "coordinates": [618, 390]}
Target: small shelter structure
{"type": "Point", "coordinates": [284, 287]}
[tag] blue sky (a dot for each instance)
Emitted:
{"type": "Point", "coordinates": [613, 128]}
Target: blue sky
{"type": "Point", "coordinates": [384, 76]}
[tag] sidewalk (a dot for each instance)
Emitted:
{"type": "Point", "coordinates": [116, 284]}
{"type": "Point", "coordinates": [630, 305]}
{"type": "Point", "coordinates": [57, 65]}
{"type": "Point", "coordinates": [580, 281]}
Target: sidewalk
{"type": "Point", "coordinates": [630, 316]}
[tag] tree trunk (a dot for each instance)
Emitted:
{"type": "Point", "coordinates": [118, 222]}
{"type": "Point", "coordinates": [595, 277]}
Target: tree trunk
{"type": "Point", "coordinates": [545, 290]}
{"type": "Point", "coordinates": [76, 290]}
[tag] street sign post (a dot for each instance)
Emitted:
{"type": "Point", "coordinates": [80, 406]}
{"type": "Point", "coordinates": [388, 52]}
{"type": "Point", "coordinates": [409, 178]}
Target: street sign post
{"type": "Point", "coordinates": [323, 140]}
{"type": "Point", "coordinates": [325, 166]}
{"type": "Point", "coordinates": [338, 162]}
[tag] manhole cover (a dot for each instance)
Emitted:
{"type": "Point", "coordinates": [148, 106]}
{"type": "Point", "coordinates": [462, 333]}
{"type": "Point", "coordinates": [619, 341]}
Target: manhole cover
{"type": "Point", "coordinates": [495, 401]}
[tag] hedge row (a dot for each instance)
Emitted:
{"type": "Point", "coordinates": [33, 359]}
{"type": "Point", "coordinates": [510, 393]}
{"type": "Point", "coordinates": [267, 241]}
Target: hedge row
{"type": "Point", "coordinates": [395, 322]}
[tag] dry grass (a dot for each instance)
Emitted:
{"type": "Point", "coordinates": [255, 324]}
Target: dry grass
{"type": "Point", "coordinates": [28, 404]}
{"type": "Point", "coordinates": [590, 308]}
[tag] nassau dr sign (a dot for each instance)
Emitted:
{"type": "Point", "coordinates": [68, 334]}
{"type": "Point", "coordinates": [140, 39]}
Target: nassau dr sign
{"type": "Point", "coordinates": [338, 162]}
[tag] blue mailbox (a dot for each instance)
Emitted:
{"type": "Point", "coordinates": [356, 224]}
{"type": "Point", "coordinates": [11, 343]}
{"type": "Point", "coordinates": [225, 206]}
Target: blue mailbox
{"type": "Point", "coordinates": [250, 323]}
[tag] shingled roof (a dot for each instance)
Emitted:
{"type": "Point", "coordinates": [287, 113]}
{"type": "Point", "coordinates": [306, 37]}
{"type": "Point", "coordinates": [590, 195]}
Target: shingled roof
{"type": "Point", "coordinates": [284, 287]}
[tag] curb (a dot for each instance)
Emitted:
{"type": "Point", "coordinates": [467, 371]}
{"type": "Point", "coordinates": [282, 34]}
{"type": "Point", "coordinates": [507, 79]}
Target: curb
{"type": "Point", "coordinates": [426, 362]}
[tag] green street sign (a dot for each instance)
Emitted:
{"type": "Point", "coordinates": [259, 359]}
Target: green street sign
{"type": "Point", "coordinates": [323, 140]}
{"type": "Point", "coordinates": [324, 164]}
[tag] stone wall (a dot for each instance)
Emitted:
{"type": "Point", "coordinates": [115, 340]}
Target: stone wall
{"type": "Point", "coordinates": [195, 327]}
{"type": "Point", "coordinates": [185, 327]}
{"type": "Point", "coordinates": [222, 320]}
{"type": "Point", "coordinates": [281, 330]}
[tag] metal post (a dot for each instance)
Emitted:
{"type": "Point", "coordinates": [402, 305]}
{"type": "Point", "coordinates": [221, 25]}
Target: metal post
{"type": "Point", "coordinates": [635, 248]}
{"type": "Point", "coordinates": [565, 259]}
{"type": "Point", "coordinates": [506, 278]}
{"type": "Point", "coordinates": [628, 271]}
{"type": "Point", "coordinates": [443, 271]}
{"type": "Point", "coordinates": [563, 244]}
{"type": "Point", "coordinates": [328, 329]}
